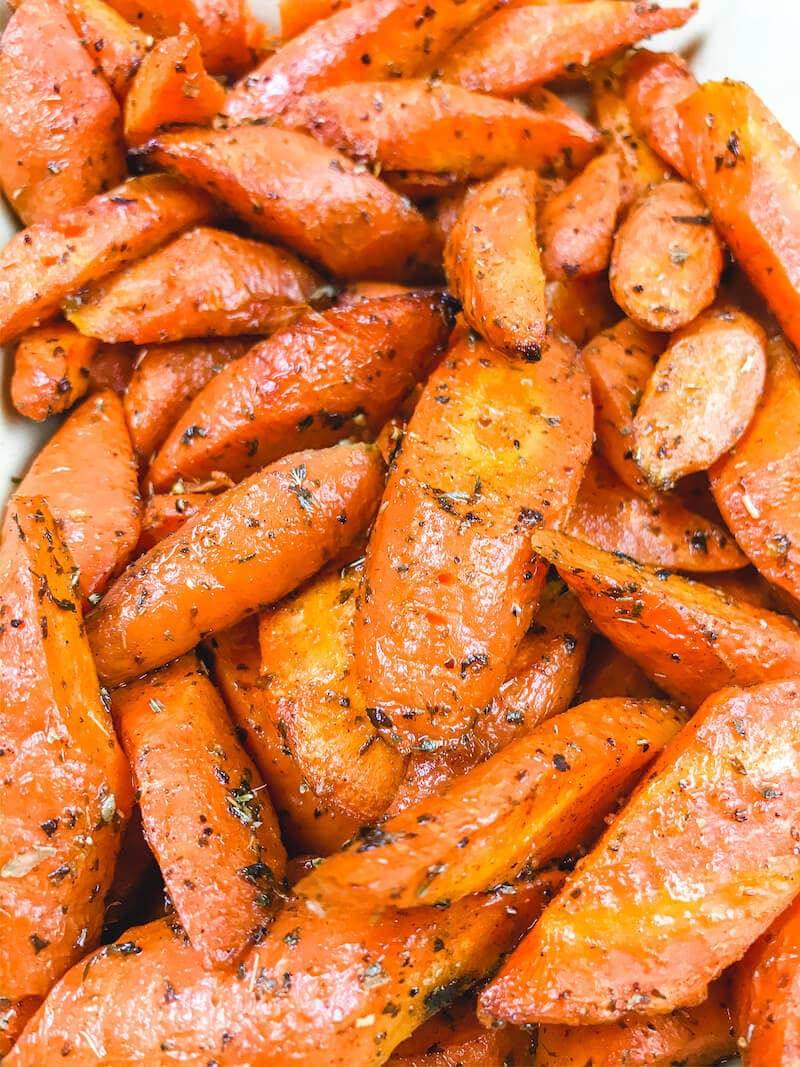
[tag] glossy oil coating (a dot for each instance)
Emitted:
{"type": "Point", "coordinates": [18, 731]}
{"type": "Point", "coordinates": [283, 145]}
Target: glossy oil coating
{"type": "Point", "coordinates": [115, 45]}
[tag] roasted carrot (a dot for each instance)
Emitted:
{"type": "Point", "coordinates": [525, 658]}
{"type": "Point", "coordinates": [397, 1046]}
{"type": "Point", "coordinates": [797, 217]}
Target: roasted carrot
{"type": "Point", "coordinates": [444, 609]}
{"type": "Point", "coordinates": [298, 15]}
{"type": "Point", "coordinates": [65, 790]}
{"type": "Point", "coordinates": [111, 368]}
{"type": "Point", "coordinates": [14, 1015]}
{"type": "Point", "coordinates": [327, 377]}
{"type": "Point", "coordinates": [114, 44]}
{"type": "Point", "coordinates": [530, 44]}
{"type": "Point", "coordinates": [701, 396]}
{"type": "Point", "coordinates": [667, 258]}
{"type": "Point", "coordinates": [411, 125]}
{"type": "Point", "coordinates": [289, 187]}
{"type": "Point", "coordinates": [610, 673]}
{"type": "Point", "coordinates": [135, 874]}
{"type": "Point", "coordinates": [203, 283]}
{"type": "Point", "coordinates": [44, 264]}
{"type": "Point", "coordinates": [171, 86]}
{"type": "Point", "coordinates": [653, 84]}
{"type": "Point", "coordinates": [576, 226]}
{"type": "Point", "coordinates": [747, 586]}
{"type": "Point", "coordinates": [51, 370]}
{"type": "Point", "coordinates": [580, 307]}
{"type": "Point", "coordinates": [251, 546]}
{"type": "Point", "coordinates": [455, 1037]}
{"type": "Point", "coordinates": [747, 168]}
{"type": "Point", "coordinates": [87, 473]}
{"type": "Point", "coordinates": [164, 513]}
{"type": "Point", "coordinates": [709, 834]}
{"type": "Point", "coordinates": [491, 260]}
{"type": "Point", "coordinates": [689, 638]}
{"type": "Point", "coordinates": [755, 486]}
{"type": "Point", "coordinates": [60, 127]}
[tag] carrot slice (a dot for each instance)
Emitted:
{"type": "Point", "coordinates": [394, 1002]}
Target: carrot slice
{"type": "Point", "coordinates": [524, 46]}
{"type": "Point", "coordinates": [701, 396]}
{"type": "Point", "coordinates": [492, 264]}
{"type": "Point", "coordinates": [42, 265]}
{"type": "Point", "coordinates": [289, 187]}
{"type": "Point", "coordinates": [755, 487]}
{"type": "Point", "coordinates": [205, 282]}
{"type": "Point", "coordinates": [444, 610]}
{"type": "Point", "coordinates": [251, 546]}
{"type": "Point", "coordinates": [580, 307]}
{"type": "Point", "coordinates": [667, 258]}
{"type": "Point", "coordinates": [653, 84]}
{"type": "Point", "coordinates": [111, 368]}
{"type": "Point", "coordinates": [165, 513]}
{"type": "Point", "coordinates": [751, 193]}
{"type": "Point", "coordinates": [709, 834]}
{"type": "Point", "coordinates": [115, 45]}
{"type": "Point", "coordinates": [88, 475]}
{"type": "Point", "coordinates": [689, 638]}
{"type": "Point", "coordinates": [455, 1036]}
{"type": "Point", "coordinates": [610, 673]}
{"type": "Point", "coordinates": [60, 126]}
{"type": "Point", "coordinates": [51, 370]}
{"type": "Point", "coordinates": [326, 378]}
{"type": "Point", "coordinates": [65, 790]}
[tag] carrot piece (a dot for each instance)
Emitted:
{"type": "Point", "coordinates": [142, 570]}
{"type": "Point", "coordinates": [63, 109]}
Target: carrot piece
{"type": "Point", "coordinates": [524, 46]}
{"type": "Point", "coordinates": [658, 530]}
{"type": "Point", "coordinates": [287, 186]}
{"type": "Point", "coordinates": [298, 15]}
{"type": "Point", "coordinates": [620, 361]}
{"type": "Point", "coordinates": [42, 265]}
{"type": "Point", "coordinates": [359, 292]}
{"type": "Point", "coordinates": [365, 42]}
{"type": "Point", "coordinates": [206, 816]}
{"type": "Point", "coordinates": [114, 44]}
{"type": "Point", "coordinates": [455, 1036]}
{"type": "Point", "coordinates": [446, 610]}
{"type": "Point", "coordinates": [580, 307]}
{"type": "Point", "coordinates": [701, 396]}
{"type": "Point", "coordinates": [610, 673]}
{"type": "Point", "coordinates": [223, 566]}
{"type": "Point", "coordinates": [165, 513]}
{"type": "Point", "coordinates": [713, 641]}
{"type": "Point", "coordinates": [314, 700]}
{"type": "Point", "coordinates": [111, 368]}
{"type": "Point", "coordinates": [15, 1016]}
{"type": "Point", "coordinates": [88, 475]}
{"type": "Point", "coordinates": [411, 125]}
{"type": "Point", "coordinates": [51, 370]}
{"type": "Point", "coordinates": [324, 379]}
{"type": "Point", "coordinates": [653, 84]}
{"type": "Point", "coordinates": [491, 260]}
{"type": "Point", "coordinates": [306, 824]}
{"type": "Point", "coordinates": [577, 225]}
{"type": "Point", "coordinates": [690, 1036]}
{"type": "Point", "coordinates": [344, 967]}
{"type": "Point", "coordinates": [747, 586]}
{"type": "Point", "coordinates": [751, 193]}
{"type": "Point", "coordinates": [205, 282]}
{"type": "Point", "coordinates": [65, 790]}
{"type": "Point", "coordinates": [171, 86]}
{"type": "Point", "coordinates": [755, 487]}
{"type": "Point", "coordinates": [710, 833]}
{"type": "Point", "coordinates": [60, 126]}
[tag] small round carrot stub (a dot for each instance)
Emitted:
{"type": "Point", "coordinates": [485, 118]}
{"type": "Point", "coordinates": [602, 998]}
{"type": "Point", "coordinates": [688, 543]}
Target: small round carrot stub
{"type": "Point", "coordinates": [667, 258]}
{"type": "Point", "coordinates": [701, 396]}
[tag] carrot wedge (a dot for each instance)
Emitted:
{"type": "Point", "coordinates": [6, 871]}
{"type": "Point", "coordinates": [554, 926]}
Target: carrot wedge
{"type": "Point", "coordinates": [747, 168]}
{"type": "Point", "coordinates": [111, 368]}
{"type": "Point", "coordinates": [455, 1036]}
{"type": "Point", "coordinates": [251, 546]}
{"type": "Point", "coordinates": [580, 308]}
{"type": "Point", "coordinates": [298, 15]}
{"type": "Point", "coordinates": [44, 264]}
{"type": "Point", "coordinates": [165, 513]}
{"type": "Point", "coordinates": [610, 673]}
{"type": "Point", "coordinates": [309, 386]}
{"type": "Point", "coordinates": [492, 264]}
{"type": "Point", "coordinates": [701, 396]}
{"type": "Point", "coordinates": [709, 834]}
{"type": "Point", "coordinates": [689, 638]}
{"type": "Point", "coordinates": [653, 84]}
{"type": "Point", "coordinates": [65, 790]}
{"type": "Point", "coordinates": [51, 370]}
{"type": "Point", "coordinates": [115, 45]}
{"type": "Point", "coordinates": [527, 45]}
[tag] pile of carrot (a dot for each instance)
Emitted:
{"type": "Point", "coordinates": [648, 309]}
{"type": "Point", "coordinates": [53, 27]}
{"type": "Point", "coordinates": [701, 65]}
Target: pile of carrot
{"type": "Point", "coordinates": [399, 655]}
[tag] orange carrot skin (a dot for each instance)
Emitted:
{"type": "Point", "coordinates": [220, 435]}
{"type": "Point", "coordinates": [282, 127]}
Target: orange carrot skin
{"type": "Point", "coordinates": [15, 1016]}
{"type": "Point", "coordinates": [65, 789]}
{"type": "Point", "coordinates": [117, 47]}
{"type": "Point", "coordinates": [111, 368]}
{"type": "Point", "coordinates": [610, 673]}
{"type": "Point", "coordinates": [492, 59]}
{"type": "Point", "coordinates": [580, 308]}
{"type": "Point", "coordinates": [298, 15]}
{"type": "Point", "coordinates": [704, 842]}
{"type": "Point", "coordinates": [42, 265]}
{"type": "Point", "coordinates": [307, 826]}
{"type": "Point", "coordinates": [751, 194]}
{"type": "Point", "coordinates": [442, 613]}
{"type": "Point", "coordinates": [290, 188]}
{"type": "Point", "coordinates": [164, 513]}
{"type": "Point", "coordinates": [455, 1036]}
{"type": "Point", "coordinates": [653, 84]}
{"type": "Point", "coordinates": [492, 264]}
{"type": "Point", "coordinates": [205, 815]}
{"type": "Point", "coordinates": [62, 145]}
{"type": "Point", "coordinates": [328, 377]}
{"type": "Point", "coordinates": [88, 475]}
{"type": "Point", "coordinates": [51, 370]}
{"type": "Point", "coordinates": [701, 396]}
{"type": "Point", "coordinates": [249, 547]}
{"type": "Point", "coordinates": [428, 956]}
{"type": "Point", "coordinates": [755, 486]}
{"type": "Point", "coordinates": [205, 282]}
